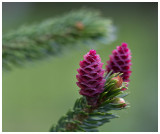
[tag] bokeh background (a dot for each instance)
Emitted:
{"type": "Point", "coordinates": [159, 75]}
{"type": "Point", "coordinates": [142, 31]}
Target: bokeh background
{"type": "Point", "coordinates": [36, 96]}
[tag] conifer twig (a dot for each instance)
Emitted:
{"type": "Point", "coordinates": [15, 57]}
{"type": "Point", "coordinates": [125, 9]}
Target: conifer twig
{"type": "Point", "coordinates": [87, 118]}
{"type": "Point", "coordinates": [101, 93]}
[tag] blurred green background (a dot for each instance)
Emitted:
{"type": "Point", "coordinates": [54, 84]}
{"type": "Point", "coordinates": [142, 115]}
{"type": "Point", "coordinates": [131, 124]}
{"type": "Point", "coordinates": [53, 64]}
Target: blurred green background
{"type": "Point", "coordinates": [36, 96]}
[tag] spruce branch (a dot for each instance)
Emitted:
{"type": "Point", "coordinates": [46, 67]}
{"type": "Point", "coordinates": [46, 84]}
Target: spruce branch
{"type": "Point", "coordinates": [87, 118]}
{"type": "Point", "coordinates": [101, 92]}
{"type": "Point", "coordinates": [51, 36]}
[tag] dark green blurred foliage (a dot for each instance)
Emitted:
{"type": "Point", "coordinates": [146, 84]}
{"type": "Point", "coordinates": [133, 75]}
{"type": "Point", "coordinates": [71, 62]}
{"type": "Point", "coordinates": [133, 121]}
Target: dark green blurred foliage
{"type": "Point", "coordinates": [51, 36]}
{"type": "Point", "coordinates": [35, 97]}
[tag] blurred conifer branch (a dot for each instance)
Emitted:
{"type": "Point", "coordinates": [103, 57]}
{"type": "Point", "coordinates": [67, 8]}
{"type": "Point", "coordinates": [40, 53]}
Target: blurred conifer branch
{"type": "Point", "coordinates": [51, 36]}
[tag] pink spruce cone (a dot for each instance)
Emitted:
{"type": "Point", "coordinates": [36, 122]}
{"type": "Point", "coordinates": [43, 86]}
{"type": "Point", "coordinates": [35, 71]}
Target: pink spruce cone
{"type": "Point", "coordinates": [120, 61]}
{"type": "Point", "coordinates": [90, 77]}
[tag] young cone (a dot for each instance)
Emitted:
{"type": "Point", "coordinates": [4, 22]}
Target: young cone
{"type": "Point", "coordinates": [120, 61]}
{"type": "Point", "coordinates": [90, 77]}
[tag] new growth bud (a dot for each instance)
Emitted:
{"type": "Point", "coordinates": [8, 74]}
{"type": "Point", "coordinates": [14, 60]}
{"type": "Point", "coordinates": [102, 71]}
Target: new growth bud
{"type": "Point", "coordinates": [120, 101]}
{"type": "Point", "coordinates": [119, 81]}
{"type": "Point", "coordinates": [79, 25]}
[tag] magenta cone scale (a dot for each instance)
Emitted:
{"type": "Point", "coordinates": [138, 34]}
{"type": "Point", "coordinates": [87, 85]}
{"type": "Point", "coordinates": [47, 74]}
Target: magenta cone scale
{"type": "Point", "coordinates": [90, 76]}
{"type": "Point", "coordinates": [120, 61]}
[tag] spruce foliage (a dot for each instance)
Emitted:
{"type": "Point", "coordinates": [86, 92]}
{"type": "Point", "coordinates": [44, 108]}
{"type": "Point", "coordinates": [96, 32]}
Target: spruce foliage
{"type": "Point", "coordinates": [87, 118]}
